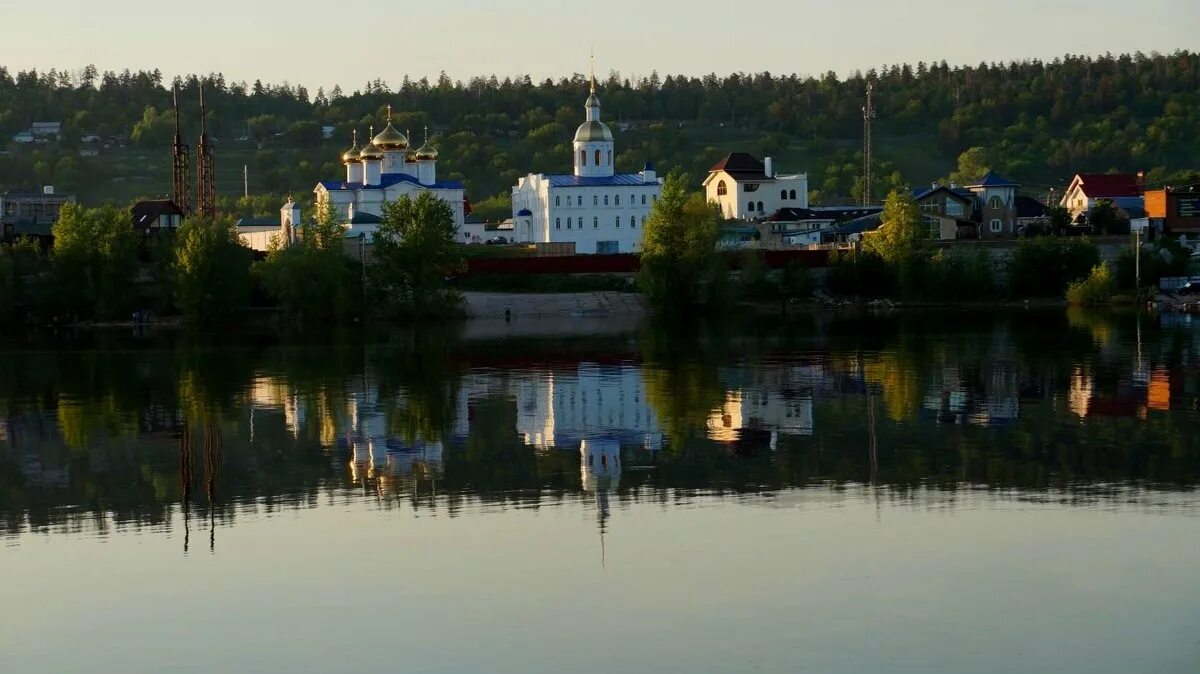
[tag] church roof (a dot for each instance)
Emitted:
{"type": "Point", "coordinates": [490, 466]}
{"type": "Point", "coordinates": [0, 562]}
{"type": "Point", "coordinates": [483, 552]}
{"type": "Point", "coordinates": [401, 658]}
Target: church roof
{"type": "Point", "coordinates": [390, 179]}
{"type": "Point", "coordinates": [619, 179]}
{"type": "Point", "coordinates": [592, 131]}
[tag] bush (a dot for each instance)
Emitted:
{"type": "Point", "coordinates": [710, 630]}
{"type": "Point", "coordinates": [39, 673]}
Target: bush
{"type": "Point", "coordinates": [1098, 288]}
{"type": "Point", "coordinates": [858, 273]}
{"type": "Point", "coordinates": [959, 275]}
{"type": "Point", "coordinates": [1045, 266]}
{"type": "Point", "coordinates": [1164, 258]}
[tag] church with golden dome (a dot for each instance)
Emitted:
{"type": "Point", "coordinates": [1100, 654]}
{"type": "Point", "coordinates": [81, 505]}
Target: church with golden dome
{"type": "Point", "coordinates": [386, 168]}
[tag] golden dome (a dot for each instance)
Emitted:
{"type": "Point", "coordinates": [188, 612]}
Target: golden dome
{"type": "Point", "coordinates": [426, 151]}
{"type": "Point", "coordinates": [390, 138]}
{"type": "Point", "coordinates": [352, 155]}
{"type": "Point", "coordinates": [369, 151]}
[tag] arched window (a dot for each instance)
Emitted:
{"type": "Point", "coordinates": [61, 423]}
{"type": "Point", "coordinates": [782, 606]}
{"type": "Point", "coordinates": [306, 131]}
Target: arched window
{"type": "Point", "coordinates": [783, 194]}
{"type": "Point", "coordinates": [568, 223]}
{"type": "Point", "coordinates": [617, 200]}
{"type": "Point", "coordinates": [633, 222]}
{"type": "Point", "coordinates": [760, 207]}
{"type": "Point", "coordinates": [643, 199]}
{"type": "Point", "coordinates": [558, 223]}
{"type": "Point", "coordinates": [595, 199]}
{"type": "Point", "coordinates": [618, 222]}
{"type": "Point", "coordinates": [605, 199]}
{"type": "Point", "coordinates": [597, 157]}
{"type": "Point", "coordinates": [792, 195]}
{"type": "Point", "coordinates": [595, 223]}
{"type": "Point", "coordinates": [558, 201]}
{"type": "Point", "coordinates": [722, 190]}
{"type": "Point", "coordinates": [994, 203]}
{"type": "Point", "coordinates": [579, 201]}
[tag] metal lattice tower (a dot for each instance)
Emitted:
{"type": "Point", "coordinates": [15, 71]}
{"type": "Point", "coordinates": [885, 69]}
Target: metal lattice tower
{"type": "Point", "coordinates": [868, 118]}
{"type": "Point", "coordinates": [206, 183]}
{"type": "Point", "coordinates": [180, 164]}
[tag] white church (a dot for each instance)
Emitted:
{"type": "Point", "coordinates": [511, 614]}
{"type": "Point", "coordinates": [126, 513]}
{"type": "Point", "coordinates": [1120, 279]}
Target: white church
{"type": "Point", "coordinates": [595, 208]}
{"type": "Point", "coordinates": [383, 170]}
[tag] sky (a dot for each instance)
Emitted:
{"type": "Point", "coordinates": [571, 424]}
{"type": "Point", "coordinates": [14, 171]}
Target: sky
{"type": "Point", "coordinates": [327, 43]}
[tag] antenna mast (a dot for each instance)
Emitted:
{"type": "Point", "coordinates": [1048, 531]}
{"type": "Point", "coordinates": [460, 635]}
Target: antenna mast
{"type": "Point", "coordinates": [180, 163]}
{"type": "Point", "coordinates": [206, 184]}
{"type": "Point", "coordinates": [868, 118]}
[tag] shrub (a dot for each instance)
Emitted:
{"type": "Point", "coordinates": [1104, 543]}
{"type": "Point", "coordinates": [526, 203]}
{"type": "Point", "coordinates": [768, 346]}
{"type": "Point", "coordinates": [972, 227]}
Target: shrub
{"type": "Point", "coordinates": [1098, 288]}
{"type": "Point", "coordinates": [959, 275]}
{"type": "Point", "coordinates": [1045, 266]}
{"type": "Point", "coordinates": [858, 273]}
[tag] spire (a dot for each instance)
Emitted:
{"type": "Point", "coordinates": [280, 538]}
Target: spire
{"type": "Point", "coordinates": [389, 113]}
{"type": "Point", "coordinates": [593, 57]}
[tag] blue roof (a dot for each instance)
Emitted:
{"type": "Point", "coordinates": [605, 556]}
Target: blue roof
{"type": "Point", "coordinates": [993, 179]}
{"type": "Point", "coordinates": [389, 179]}
{"type": "Point", "coordinates": [858, 226]}
{"type": "Point", "coordinates": [620, 179]}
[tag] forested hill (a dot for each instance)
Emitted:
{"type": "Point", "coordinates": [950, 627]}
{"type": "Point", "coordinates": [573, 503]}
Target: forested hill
{"type": "Point", "coordinates": [1037, 122]}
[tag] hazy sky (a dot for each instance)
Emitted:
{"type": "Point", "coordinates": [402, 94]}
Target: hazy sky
{"type": "Point", "coordinates": [352, 42]}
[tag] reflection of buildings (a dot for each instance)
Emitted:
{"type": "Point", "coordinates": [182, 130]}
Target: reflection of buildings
{"type": "Point", "coordinates": [776, 400]}
{"type": "Point", "coordinates": [560, 408]}
{"type": "Point", "coordinates": [1121, 397]}
{"type": "Point", "coordinates": [600, 475]}
{"type": "Point", "coordinates": [990, 400]}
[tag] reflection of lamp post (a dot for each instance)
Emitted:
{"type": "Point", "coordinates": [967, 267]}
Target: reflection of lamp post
{"type": "Point", "coordinates": [362, 260]}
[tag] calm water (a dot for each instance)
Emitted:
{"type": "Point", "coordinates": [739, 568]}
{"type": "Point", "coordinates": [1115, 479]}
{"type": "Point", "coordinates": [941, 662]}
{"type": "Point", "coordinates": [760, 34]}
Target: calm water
{"type": "Point", "coordinates": [916, 493]}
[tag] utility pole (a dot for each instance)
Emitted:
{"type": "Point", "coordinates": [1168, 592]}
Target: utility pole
{"type": "Point", "coordinates": [868, 117]}
{"type": "Point", "coordinates": [246, 180]}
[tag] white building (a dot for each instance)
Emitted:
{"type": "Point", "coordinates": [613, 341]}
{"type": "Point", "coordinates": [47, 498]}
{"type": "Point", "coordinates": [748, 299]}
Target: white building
{"type": "Point", "coordinates": [385, 170]}
{"type": "Point", "coordinates": [595, 208]}
{"type": "Point", "coordinates": [748, 189]}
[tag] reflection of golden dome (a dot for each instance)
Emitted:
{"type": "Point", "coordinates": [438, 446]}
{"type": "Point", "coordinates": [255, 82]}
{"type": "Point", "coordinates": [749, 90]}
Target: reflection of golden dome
{"type": "Point", "coordinates": [352, 155]}
{"type": "Point", "coordinates": [391, 139]}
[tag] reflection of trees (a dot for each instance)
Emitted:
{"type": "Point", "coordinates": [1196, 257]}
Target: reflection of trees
{"type": "Point", "coordinates": [418, 382]}
{"type": "Point", "coordinates": [681, 371]}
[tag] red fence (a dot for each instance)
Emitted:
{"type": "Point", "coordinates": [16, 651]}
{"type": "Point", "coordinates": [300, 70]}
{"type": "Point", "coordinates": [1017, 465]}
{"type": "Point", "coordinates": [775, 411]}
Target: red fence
{"type": "Point", "coordinates": [623, 264]}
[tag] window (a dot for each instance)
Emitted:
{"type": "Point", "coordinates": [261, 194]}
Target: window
{"type": "Point", "coordinates": [558, 201]}
{"type": "Point", "coordinates": [617, 200]}
{"type": "Point", "coordinates": [583, 157]}
{"type": "Point", "coordinates": [595, 223]}
{"type": "Point", "coordinates": [633, 222]}
{"type": "Point", "coordinates": [995, 204]}
{"type": "Point", "coordinates": [618, 221]}
{"type": "Point", "coordinates": [595, 199]}
{"type": "Point", "coordinates": [792, 195]}
{"type": "Point", "coordinates": [597, 157]}
{"type": "Point", "coordinates": [568, 223]}
{"type": "Point", "coordinates": [610, 157]}
{"type": "Point", "coordinates": [750, 187]}
{"type": "Point", "coordinates": [653, 197]}
{"type": "Point", "coordinates": [933, 228]}
{"type": "Point", "coordinates": [930, 207]}
{"type": "Point", "coordinates": [605, 199]}
{"type": "Point", "coordinates": [579, 201]}
{"type": "Point", "coordinates": [722, 190]}
{"type": "Point", "coordinates": [996, 226]}
{"type": "Point", "coordinates": [643, 199]}
{"type": "Point", "coordinates": [954, 209]}
{"type": "Point", "coordinates": [558, 223]}
{"type": "Point", "coordinates": [783, 194]}
{"type": "Point", "coordinates": [760, 207]}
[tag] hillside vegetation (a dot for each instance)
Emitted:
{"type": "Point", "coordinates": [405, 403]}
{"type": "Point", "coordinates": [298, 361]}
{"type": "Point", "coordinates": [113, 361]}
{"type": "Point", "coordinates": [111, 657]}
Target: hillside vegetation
{"type": "Point", "coordinates": [1037, 122]}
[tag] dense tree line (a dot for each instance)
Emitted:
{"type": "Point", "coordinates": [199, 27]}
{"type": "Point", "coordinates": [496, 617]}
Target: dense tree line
{"type": "Point", "coordinates": [1039, 121]}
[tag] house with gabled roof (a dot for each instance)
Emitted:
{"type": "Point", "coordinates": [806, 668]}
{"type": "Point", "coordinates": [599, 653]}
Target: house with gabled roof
{"type": "Point", "coordinates": [1087, 189]}
{"type": "Point", "coordinates": [748, 189]}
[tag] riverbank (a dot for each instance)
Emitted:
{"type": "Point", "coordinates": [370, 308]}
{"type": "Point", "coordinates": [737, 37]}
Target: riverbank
{"type": "Point", "coordinates": [510, 306]}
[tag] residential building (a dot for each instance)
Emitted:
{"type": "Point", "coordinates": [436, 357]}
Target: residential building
{"type": "Point", "coordinates": [996, 197]}
{"type": "Point", "coordinates": [948, 212]}
{"type": "Point", "coordinates": [1031, 213]}
{"type": "Point", "coordinates": [1087, 189]}
{"type": "Point", "coordinates": [23, 137]}
{"type": "Point", "coordinates": [259, 233]}
{"type": "Point", "coordinates": [748, 189]}
{"type": "Point", "coordinates": [1174, 210]}
{"type": "Point", "coordinates": [595, 209]}
{"type": "Point", "coordinates": [792, 227]}
{"type": "Point", "coordinates": [31, 213]}
{"type": "Point", "coordinates": [382, 171]}
{"type": "Point", "coordinates": [46, 130]}
{"type": "Point", "coordinates": [157, 216]}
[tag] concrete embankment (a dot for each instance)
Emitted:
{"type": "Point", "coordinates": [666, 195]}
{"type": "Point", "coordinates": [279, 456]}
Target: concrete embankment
{"type": "Point", "coordinates": [552, 305]}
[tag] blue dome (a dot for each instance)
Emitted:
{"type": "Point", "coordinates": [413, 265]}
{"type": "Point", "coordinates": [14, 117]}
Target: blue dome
{"type": "Point", "coordinates": [524, 213]}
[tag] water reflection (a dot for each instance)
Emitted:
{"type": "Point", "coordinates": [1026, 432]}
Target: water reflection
{"type": "Point", "coordinates": [112, 435]}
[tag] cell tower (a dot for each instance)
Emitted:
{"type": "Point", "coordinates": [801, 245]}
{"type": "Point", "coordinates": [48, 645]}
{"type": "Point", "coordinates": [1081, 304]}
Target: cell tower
{"type": "Point", "coordinates": [180, 164]}
{"type": "Point", "coordinates": [206, 183]}
{"type": "Point", "coordinates": [868, 118]}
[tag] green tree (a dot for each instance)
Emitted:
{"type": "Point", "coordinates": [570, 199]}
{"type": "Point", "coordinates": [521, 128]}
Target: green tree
{"type": "Point", "coordinates": [972, 165]}
{"type": "Point", "coordinates": [1060, 219]}
{"type": "Point", "coordinates": [681, 267]}
{"type": "Point", "coordinates": [95, 261]}
{"type": "Point", "coordinates": [415, 252]}
{"type": "Point", "coordinates": [211, 270]}
{"type": "Point", "coordinates": [1103, 217]}
{"type": "Point", "coordinates": [314, 279]}
{"type": "Point", "coordinates": [900, 234]}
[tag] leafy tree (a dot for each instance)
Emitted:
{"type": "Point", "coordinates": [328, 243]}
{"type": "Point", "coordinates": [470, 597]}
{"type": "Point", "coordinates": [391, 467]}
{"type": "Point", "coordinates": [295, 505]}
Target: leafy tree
{"type": "Point", "coordinates": [1060, 219]}
{"type": "Point", "coordinates": [681, 268]}
{"type": "Point", "coordinates": [212, 270]}
{"type": "Point", "coordinates": [415, 252]}
{"type": "Point", "coordinates": [972, 165]}
{"type": "Point", "coordinates": [95, 261]}
{"type": "Point", "coordinates": [1103, 217]}
{"type": "Point", "coordinates": [314, 280]}
{"type": "Point", "coordinates": [1045, 266]}
{"type": "Point", "coordinates": [900, 232]}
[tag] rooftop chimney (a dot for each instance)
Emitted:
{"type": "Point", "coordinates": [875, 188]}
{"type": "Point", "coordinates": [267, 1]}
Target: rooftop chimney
{"type": "Point", "coordinates": [769, 167]}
